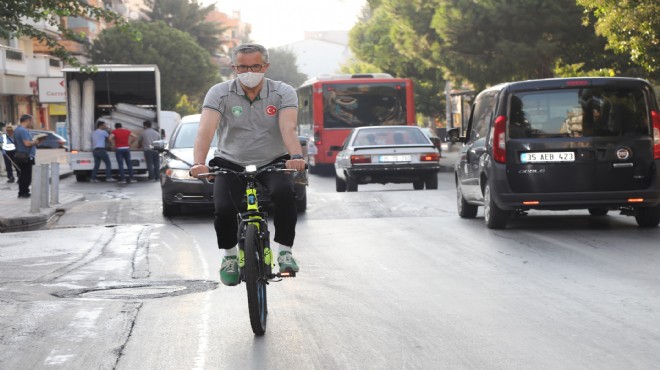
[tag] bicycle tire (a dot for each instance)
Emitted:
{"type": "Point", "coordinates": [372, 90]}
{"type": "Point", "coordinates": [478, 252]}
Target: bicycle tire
{"type": "Point", "coordinates": [255, 280]}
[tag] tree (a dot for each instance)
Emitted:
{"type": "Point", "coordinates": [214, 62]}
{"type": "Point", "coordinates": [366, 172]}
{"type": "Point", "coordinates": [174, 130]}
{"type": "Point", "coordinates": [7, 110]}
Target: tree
{"type": "Point", "coordinates": [382, 42]}
{"type": "Point", "coordinates": [284, 67]}
{"type": "Point", "coordinates": [187, 16]}
{"type": "Point", "coordinates": [185, 68]}
{"type": "Point", "coordinates": [15, 12]}
{"type": "Point", "coordinates": [506, 40]}
{"type": "Point", "coordinates": [631, 28]}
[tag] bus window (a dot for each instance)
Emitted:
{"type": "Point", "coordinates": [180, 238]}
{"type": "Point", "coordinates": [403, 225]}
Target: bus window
{"type": "Point", "coordinates": [352, 105]}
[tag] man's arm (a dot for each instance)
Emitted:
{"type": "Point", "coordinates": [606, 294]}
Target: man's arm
{"type": "Point", "coordinates": [288, 121]}
{"type": "Point", "coordinates": [208, 124]}
{"type": "Point", "coordinates": [29, 142]}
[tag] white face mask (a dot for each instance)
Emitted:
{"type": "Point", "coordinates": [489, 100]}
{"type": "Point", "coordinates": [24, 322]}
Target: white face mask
{"type": "Point", "coordinates": [250, 79]}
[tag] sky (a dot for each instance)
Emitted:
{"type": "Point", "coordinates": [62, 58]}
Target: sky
{"type": "Point", "coordinates": [279, 22]}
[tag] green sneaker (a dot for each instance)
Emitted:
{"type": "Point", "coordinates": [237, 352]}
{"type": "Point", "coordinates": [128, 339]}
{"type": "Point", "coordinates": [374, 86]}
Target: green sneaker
{"type": "Point", "coordinates": [229, 271]}
{"type": "Point", "coordinates": [287, 262]}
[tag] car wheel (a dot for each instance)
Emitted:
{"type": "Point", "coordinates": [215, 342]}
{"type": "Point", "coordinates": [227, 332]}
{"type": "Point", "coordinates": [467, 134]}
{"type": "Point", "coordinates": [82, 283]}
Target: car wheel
{"type": "Point", "coordinates": [432, 182]}
{"type": "Point", "coordinates": [598, 211]}
{"type": "Point", "coordinates": [648, 216]}
{"type": "Point", "coordinates": [465, 209]}
{"type": "Point", "coordinates": [495, 217]}
{"type": "Point", "coordinates": [170, 210]}
{"type": "Point", "coordinates": [340, 184]}
{"type": "Point", "coordinates": [418, 185]}
{"type": "Point", "coordinates": [351, 184]}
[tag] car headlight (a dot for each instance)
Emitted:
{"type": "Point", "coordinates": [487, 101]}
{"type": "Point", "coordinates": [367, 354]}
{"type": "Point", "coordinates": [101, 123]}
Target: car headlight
{"type": "Point", "coordinates": [179, 174]}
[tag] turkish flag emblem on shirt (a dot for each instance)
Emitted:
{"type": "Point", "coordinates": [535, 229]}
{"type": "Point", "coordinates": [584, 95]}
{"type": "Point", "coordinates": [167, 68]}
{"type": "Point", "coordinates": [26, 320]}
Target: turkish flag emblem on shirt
{"type": "Point", "coordinates": [271, 110]}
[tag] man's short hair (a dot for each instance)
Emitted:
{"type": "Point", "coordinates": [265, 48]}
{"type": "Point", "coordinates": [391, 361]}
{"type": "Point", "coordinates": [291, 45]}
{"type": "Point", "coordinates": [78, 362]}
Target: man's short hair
{"type": "Point", "coordinates": [25, 117]}
{"type": "Point", "coordinates": [249, 49]}
{"type": "Point", "coordinates": [117, 125]}
{"type": "Point", "coordinates": [100, 123]}
{"type": "Point", "coordinates": [9, 127]}
{"type": "Point", "coordinates": [146, 124]}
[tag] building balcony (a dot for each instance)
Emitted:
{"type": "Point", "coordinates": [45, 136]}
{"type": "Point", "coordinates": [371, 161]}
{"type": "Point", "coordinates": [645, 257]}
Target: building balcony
{"type": "Point", "coordinates": [41, 65]}
{"type": "Point", "coordinates": [12, 61]}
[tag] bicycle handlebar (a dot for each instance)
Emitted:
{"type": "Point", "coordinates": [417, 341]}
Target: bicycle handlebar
{"type": "Point", "coordinates": [247, 172]}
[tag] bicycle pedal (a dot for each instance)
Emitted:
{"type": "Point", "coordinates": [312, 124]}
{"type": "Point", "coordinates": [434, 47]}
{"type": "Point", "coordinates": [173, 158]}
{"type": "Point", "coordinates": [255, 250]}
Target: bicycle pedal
{"type": "Point", "coordinates": [286, 274]}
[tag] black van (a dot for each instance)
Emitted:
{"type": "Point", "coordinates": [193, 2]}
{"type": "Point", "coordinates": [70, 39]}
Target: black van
{"type": "Point", "coordinates": [558, 144]}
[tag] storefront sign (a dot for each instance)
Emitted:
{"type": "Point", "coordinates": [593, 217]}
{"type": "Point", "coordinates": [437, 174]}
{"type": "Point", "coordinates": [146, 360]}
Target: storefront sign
{"type": "Point", "coordinates": [52, 90]}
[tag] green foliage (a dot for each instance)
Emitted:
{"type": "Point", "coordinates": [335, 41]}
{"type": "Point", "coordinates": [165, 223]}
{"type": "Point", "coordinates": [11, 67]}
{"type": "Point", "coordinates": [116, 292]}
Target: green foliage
{"type": "Point", "coordinates": [284, 67]}
{"type": "Point", "coordinates": [187, 16]}
{"type": "Point", "coordinates": [631, 28]}
{"type": "Point", "coordinates": [394, 37]}
{"type": "Point", "coordinates": [186, 107]}
{"type": "Point", "coordinates": [576, 70]}
{"type": "Point", "coordinates": [14, 12]}
{"type": "Point", "coordinates": [185, 68]}
{"type": "Point", "coordinates": [502, 40]}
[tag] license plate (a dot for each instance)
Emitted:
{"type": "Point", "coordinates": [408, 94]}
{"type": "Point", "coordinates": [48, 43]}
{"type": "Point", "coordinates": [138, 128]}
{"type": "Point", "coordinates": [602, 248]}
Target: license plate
{"type": "Point", "coordinates": [395, 158]}
{"type": "Point", "coordinates": [547, 157]}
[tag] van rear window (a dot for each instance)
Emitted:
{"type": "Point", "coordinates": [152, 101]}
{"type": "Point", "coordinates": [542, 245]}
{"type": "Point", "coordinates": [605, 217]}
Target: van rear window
{"type": "Point", "coordinates": [600, 111]}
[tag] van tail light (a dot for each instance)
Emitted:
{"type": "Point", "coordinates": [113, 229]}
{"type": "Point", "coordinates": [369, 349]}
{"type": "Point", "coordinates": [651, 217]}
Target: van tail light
{"type": "Point", "coordinates": [499, 140]}
{"type": "Point", "coordinates": [429, 157]}
{"type": "Point", "coordinates": [357, 159]}
{"type": "Point", "coordinates": [656, 134]}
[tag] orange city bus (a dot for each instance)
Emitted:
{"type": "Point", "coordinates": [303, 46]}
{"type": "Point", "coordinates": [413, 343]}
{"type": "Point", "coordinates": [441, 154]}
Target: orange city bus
{"type": "Point", "coordinates": [329, 106]}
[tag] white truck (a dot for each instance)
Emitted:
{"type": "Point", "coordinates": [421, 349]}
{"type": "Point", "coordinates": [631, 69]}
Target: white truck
{"type": "Point", "coordinates": [128, 94]}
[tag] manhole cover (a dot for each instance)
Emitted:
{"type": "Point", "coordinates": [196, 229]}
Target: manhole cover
{"type": "Point", "coordinates": [155, 289]}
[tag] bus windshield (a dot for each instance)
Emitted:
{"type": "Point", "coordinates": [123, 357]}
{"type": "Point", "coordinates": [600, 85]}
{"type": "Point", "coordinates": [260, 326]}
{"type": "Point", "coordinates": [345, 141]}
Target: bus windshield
{"type": "Point", "coordinates": [356, 105]}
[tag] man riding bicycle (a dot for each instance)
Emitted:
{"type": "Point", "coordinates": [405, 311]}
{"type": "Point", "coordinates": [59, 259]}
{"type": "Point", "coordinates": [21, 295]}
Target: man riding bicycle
{"type": "Point", "coordinates": [255, 119]}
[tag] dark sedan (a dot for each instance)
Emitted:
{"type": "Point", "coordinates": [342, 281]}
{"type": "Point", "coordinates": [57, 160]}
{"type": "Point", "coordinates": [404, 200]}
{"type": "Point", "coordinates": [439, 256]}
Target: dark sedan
{"type": "Point", "coordinates": [387, 154]}
{"type": "Point", "coordinates": [179, 188]}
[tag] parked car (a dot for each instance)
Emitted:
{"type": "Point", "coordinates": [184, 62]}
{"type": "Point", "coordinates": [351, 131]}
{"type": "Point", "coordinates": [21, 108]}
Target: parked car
{"type": "Point", "coordinates": [179, 188]}
{"type": "Point", "coordinates": [386, 154]}
{"type": "Point", "coordinates": [557, 144]}
{"type": "Point", "coordinates": [52, 140]}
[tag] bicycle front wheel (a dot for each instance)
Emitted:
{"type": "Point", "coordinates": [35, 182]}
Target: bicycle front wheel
{"type": "Point", "coordinates": [255, 279]}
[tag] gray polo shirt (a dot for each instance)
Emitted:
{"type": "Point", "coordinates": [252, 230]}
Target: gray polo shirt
{"type": "Point", "coordinates": [249, 132]}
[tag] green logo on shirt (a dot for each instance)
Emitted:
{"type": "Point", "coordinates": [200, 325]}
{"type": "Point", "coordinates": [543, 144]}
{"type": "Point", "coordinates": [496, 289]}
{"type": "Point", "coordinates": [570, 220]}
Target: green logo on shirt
{"type": "Point", "coordinates": [237, 111]}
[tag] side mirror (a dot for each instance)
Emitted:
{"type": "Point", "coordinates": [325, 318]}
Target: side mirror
{"type": "Point", "coordinates": [454, 136]}
{"type": "Point", "coordinates": [159, 145]}
{"type": "Point", "coordinates": [336, 148]}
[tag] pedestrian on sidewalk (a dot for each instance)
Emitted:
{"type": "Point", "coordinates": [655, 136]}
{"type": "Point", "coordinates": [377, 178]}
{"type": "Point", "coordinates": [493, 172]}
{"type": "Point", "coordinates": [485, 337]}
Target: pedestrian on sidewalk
{"type": "Point", "coordinates": [123, 139]}
{"type": "Point", "coordinates": [151, 156]}
{"type": "Point", "coordinates": [26, 152]}
{"type": "Point", "coordinates": [100, 152]}
{"type": "Point", "coordinates": [8, 151]}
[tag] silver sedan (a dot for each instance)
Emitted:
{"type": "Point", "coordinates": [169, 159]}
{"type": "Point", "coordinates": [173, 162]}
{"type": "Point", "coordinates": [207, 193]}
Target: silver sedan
{"type": "Point", "coordinates": [387, 154]}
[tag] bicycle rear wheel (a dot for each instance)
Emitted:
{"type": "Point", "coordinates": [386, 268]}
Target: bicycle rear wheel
{"type": "Point", "coordinates": [255, 280]}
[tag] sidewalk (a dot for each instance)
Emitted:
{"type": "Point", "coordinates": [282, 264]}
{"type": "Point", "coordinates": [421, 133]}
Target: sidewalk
{"type": "Point", "coordinates": [15, 212]}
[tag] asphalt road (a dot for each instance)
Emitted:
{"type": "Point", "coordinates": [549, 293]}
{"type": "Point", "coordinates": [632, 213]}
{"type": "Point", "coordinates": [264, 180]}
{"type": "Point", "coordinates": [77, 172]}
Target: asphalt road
{"type": "Point", "coordinates": [390, 278]}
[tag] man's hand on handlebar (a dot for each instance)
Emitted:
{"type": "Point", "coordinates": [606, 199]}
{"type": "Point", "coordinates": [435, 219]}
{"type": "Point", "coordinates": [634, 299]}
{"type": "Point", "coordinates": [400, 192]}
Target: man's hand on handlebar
{"type": "Point", "coordinates": [197, 169]}
{"type": "Point", "coordinates": [296, 164]}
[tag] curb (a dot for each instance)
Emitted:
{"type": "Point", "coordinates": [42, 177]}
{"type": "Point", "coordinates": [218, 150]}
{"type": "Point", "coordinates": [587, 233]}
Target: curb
{"type": "Point", "coordinates": [35, 221]}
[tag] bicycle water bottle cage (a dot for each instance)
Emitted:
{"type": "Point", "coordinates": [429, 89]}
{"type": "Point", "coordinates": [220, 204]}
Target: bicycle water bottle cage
{"type": "Point", "coordinates": [252, 199]}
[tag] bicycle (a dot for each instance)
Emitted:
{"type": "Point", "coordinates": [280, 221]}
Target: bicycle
{"type": "Point", "coordinates": [255, 256]}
